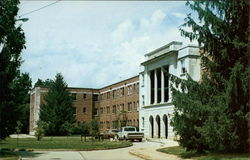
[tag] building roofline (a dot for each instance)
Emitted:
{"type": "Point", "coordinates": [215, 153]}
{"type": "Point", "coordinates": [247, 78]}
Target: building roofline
{"type": "Point", "coordinates": [97, 89]}
{"type": "Point", "coordinates": [160, 56]}
{"type": "Point", "coordinates": [163, 47]}
{"type": "Point", "coordinates": [120, 81]}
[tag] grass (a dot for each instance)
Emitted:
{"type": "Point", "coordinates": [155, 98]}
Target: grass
{"type": "Point", "coordinates": [59, 143]}
{"type": "Point", "coordinates": [8, 155]}
{"type": "Point", "coordinates": [181, 152]}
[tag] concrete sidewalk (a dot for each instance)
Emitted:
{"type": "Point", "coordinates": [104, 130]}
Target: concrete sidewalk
{"type": "Point", "coordinates": [150, 153]}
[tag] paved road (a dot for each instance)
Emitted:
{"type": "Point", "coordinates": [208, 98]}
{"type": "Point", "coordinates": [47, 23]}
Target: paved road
{"type": "Point", "coordinates": [114, 154]}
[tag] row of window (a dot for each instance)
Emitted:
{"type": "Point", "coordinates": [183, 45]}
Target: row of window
{"type": "Point", "coordinates": [134, 88]}
{"type": "Point", "coordinates": [84, 96]}
{"type": "Point", "coordinates": [115, 108]}
{"type": "Point", "coordinates": [116, 124]}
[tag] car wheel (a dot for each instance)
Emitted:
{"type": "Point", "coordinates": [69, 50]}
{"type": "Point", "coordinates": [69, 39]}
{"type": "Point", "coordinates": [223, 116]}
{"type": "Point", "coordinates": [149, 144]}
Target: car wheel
{"type": "Point", "coordinates": [140, 140]}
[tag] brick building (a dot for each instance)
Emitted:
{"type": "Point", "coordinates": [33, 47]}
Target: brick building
{"type": "Point", "coordinates": [112, 105]}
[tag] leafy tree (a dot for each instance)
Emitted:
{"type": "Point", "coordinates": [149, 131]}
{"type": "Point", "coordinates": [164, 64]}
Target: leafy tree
{"type": "Point", "coordinates": [40, 129]}
{"type": "Point", "coordinates": [22, 86]}
{"type": "Point", "coordinates": [213, 114]}
{"type": "Point", "coordinates": [58, 107]}
{"type": "Point", "coordinates": [94, 128]}
{"type": "Point", "coordinates": [41, 83]}
{"type": "Point", "coordinates": [12, 41]}
{"type": "Point", "coordinates": [67, 128]}
{"type": "Point", "coordinates": [18, 129]}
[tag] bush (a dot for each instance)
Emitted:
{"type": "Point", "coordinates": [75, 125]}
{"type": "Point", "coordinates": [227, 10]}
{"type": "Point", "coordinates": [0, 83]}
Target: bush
{"type": "Point", "coordinates": [40, 129]}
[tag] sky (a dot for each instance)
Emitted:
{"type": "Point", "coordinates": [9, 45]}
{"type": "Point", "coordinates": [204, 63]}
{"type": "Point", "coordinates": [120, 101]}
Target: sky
{"type": "Point", "coordinates": [94, 44]}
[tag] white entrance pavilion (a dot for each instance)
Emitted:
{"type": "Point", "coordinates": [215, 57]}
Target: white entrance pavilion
{"type": "Point", "coordinates": [155, 99]}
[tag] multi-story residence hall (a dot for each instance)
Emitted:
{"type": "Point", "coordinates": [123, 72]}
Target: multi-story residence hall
{"type": "Point", "coordinates": [113, 105]}
{"type": "Point", "coordinates": [149, 93]}
{"type": "Point", "coordinates": [155, 97]}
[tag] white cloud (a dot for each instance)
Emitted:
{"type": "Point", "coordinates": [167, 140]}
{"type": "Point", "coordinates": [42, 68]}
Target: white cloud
{"type": "Point", "coordinates": [95, 47]}
{"type": "Point", "coordinates": [122, 31]}
{"type": "Point", "coordinates": [179, 15]}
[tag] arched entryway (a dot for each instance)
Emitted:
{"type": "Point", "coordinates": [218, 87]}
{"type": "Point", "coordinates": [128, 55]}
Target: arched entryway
{"type": "Point", "coordinates": [165, 121]}
{"type": "Point", "coordinates": [158, 122]}
{"type": "Point", "coordinates": [151, 126]}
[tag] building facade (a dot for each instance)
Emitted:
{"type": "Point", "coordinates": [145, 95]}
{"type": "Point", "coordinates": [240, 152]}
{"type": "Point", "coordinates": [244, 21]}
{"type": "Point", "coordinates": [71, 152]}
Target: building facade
{"type": "Point", "coordinates": [143, 101]}
{"type": "Point", "coordinates": [113, 106]}
{"type": "Point", "coordinates": [155, 97]}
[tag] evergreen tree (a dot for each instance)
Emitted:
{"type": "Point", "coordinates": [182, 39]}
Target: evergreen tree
{"type": "Point", "coordinates": [45, 84]}
{"type": "Point", "coordinates": [12, 42]}
{"type": "Point", "coordinates": [58, 108]}
{"type": "Point", "coordinates": [213, 114]}
{"type": "Point", "coordinates": [22, 86]}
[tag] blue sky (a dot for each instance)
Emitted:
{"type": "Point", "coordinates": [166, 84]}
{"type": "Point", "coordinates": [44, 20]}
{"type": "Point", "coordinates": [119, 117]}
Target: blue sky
{"type": "Point", "coordinates": [94, 44]}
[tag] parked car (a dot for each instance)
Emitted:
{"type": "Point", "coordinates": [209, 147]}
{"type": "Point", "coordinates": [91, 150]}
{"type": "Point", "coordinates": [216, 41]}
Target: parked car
{"type": "Point", "coordinates": [130, 133]}
{"type": "Point", "coordinates": [110, 133]}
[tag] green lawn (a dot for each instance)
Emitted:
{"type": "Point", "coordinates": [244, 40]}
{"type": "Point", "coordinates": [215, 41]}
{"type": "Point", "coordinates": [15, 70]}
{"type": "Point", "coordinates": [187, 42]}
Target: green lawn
{"type": "Point", "coordinates": [8, 155]}
{"type": "Point", "coordinates": [64, 143]}
{"type": "Point", "coordinates": [181, 152]}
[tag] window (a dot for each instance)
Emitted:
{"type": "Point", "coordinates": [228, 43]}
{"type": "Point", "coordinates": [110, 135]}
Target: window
{"type": "Point", "coordinates": [121, 107]}
{"type": "Point", "coordinates": [108, 125]}
{"type": "Point", "coordinates": [142, 122]}
{"type": "Point", "coordinates": [95, 97]}
{"type": "Point", "coordinates": [183, 67]}
{"type": "Point", "coordinates": [129, 106]}
{"type": "Point", "coordinates": [134, 106]}
{"type": "Point", "coordinates": [95, 111]}
{"type": "Point", "coordinates": [114, 109]}
{"type": "Point", "coordinates": [113, 94]}
{"type": "Point", "coordinates": [108, 95]}
{"type": "Point", "coordinates": [129, 89]}
{"type": "Point", "coordinates": [84, 110]}
{"type": "Point", "coordinates": [122, 91]}
{"type": "Point", "coordinates": [101, 110]}
{"type": "Point", "coordinates": [84, 96]}
{"type": "Point", "coordinates": [137, 106]}
{"type": "Point", "coordinates": [143, 103]}
{"type": "Point", "coordinates": [73, 95]}
{"type": "Point", "coordinates": [108, 110]}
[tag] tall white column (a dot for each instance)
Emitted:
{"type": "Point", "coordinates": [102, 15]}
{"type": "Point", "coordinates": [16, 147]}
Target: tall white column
{"type": "Point", "coordinates": [162, 85]}
{"type": "Point", "coordinates": [155, 97]}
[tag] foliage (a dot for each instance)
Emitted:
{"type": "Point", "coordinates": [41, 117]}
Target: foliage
{"type": "Point", "coordinates": [12, 41]}
{"type": "Point", "coordinates": [40, 129]}
{"type": "Point", "coordinates": [67, 128]}
{"type": "Point", "coordinates": [44, 84]}
{"type": "Point", "coordinates": [213, 114]}
{"type": "Point", "coordinates": [181, 152]}
{"type": "Point", "coordinates": [58, 107]}
{"type": "Point", "coordinates": [94, 128]}
{"type": "Point", "coordinates": [22, 85]}
{"type": "Point", "coordinates": [18, 127]}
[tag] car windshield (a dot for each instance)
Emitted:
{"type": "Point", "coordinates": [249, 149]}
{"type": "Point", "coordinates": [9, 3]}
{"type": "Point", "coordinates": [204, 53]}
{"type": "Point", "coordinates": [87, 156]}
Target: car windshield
{"type": "Point", "coordinates": [115, 131]}
{"type": "Point", "coordinates": [129, 129]}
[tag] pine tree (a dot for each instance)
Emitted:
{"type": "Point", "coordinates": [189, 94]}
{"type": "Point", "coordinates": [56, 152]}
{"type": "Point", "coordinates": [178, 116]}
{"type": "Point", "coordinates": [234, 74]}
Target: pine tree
{"type": "Point", "coordinates": [213, 114]}
{"type": "Point", "coordinates": [12, 42]}
{"type": "Point", "coordinates": [58, 108]}
{"type": "Point", "coordinates": [22, 86]}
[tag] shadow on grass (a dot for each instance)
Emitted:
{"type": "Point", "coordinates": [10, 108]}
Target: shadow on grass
{"type": "Point", "coordinates": [6, 152]}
